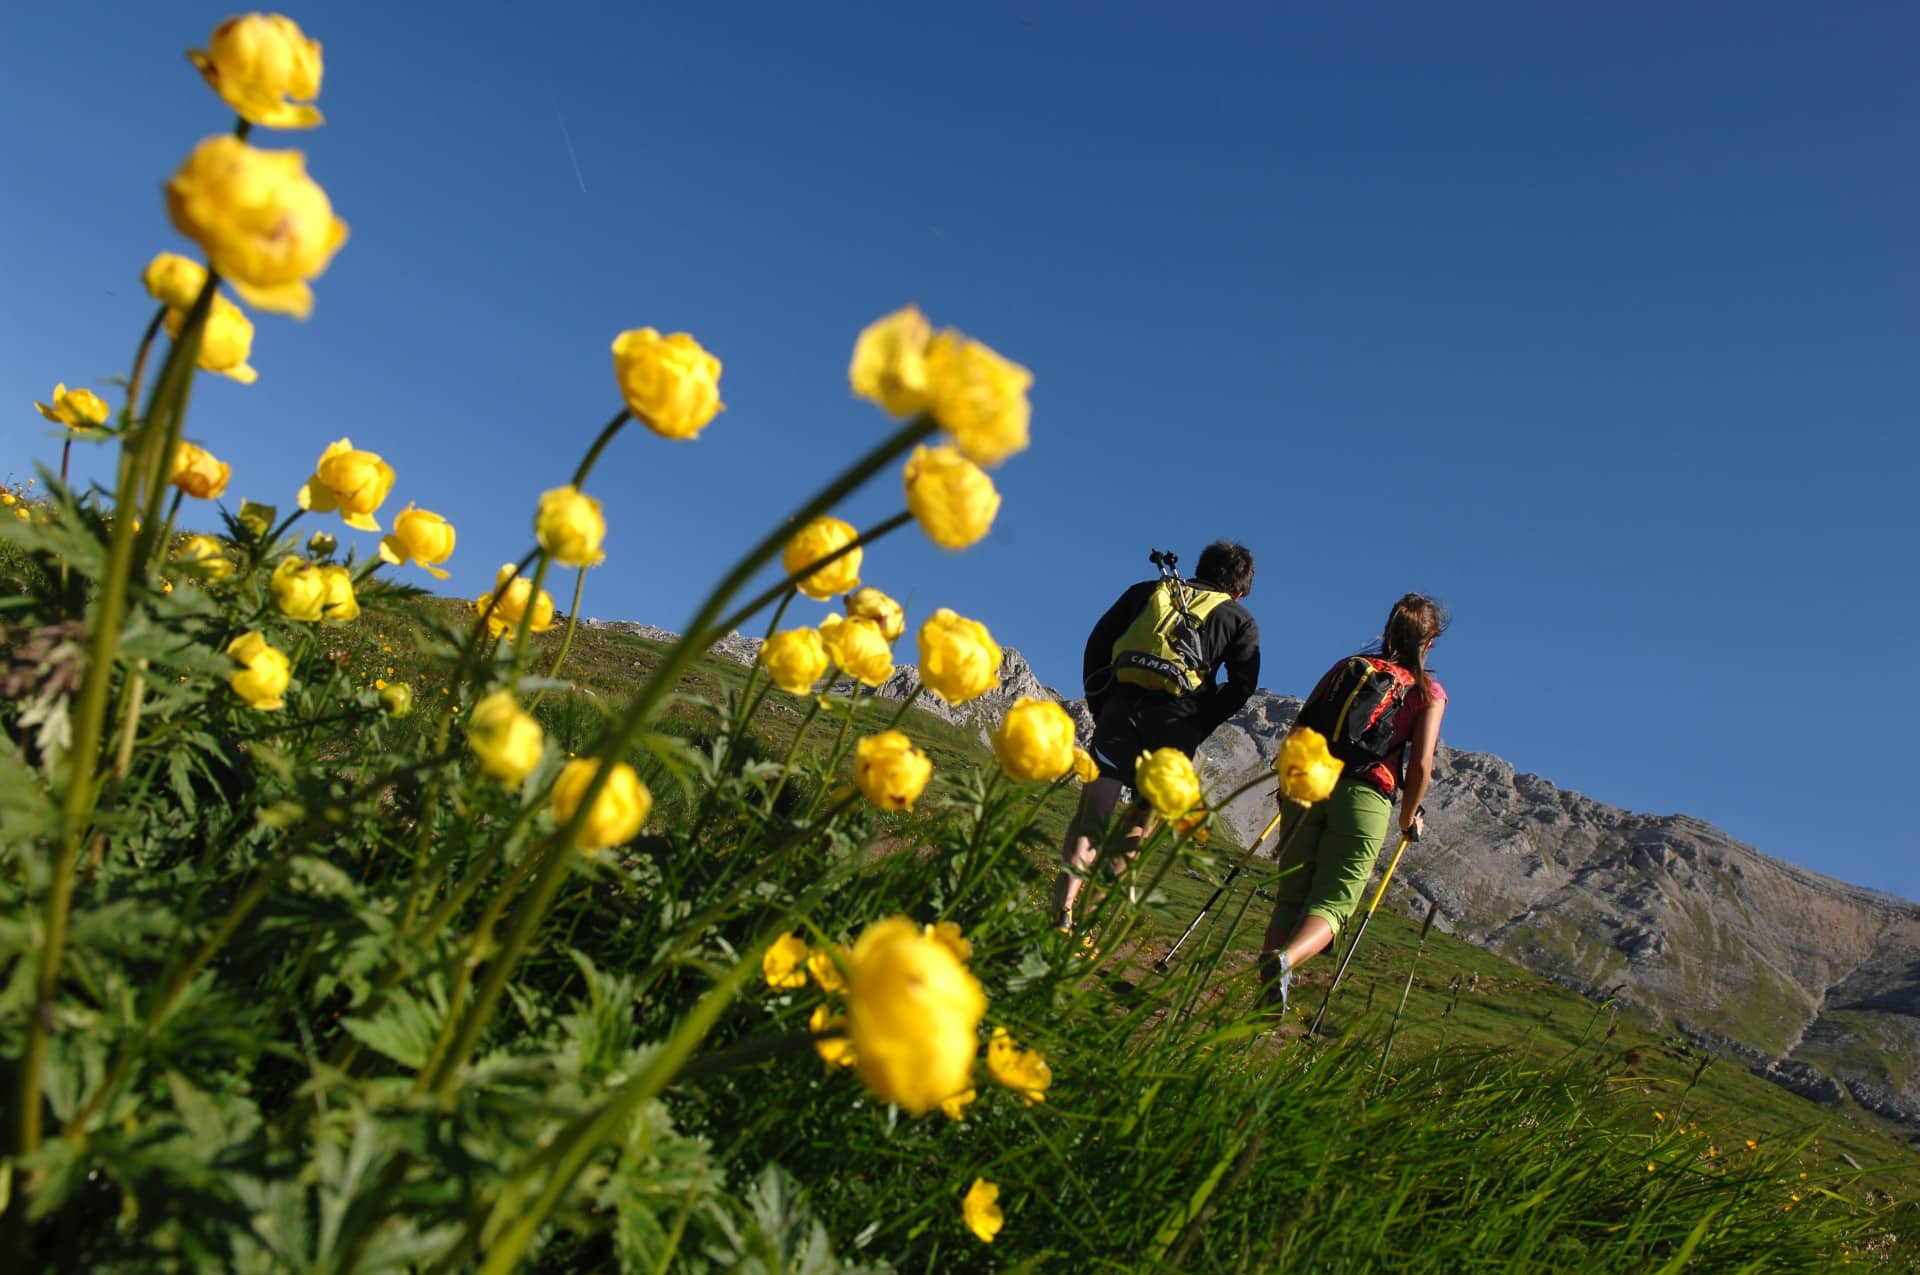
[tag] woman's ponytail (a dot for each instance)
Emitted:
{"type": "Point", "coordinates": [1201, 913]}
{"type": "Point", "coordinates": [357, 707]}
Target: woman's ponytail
{"type": "Point", "coordinates": [1414, 621]}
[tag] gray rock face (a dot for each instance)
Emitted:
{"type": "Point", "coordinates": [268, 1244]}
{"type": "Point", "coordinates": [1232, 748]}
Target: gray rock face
{"type": "Point", "coordinates": [1809, 981]}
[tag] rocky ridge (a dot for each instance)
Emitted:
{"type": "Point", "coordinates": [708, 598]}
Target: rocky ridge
{"type": "Point", "coordinates": [1805, 979]}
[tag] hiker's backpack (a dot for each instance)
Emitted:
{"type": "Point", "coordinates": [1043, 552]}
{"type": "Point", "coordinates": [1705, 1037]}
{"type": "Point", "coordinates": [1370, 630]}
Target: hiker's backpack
{"type": "Point", "coordinates": [1356, 711]}
{"type": "Point", "coordinates": [1161, 648]}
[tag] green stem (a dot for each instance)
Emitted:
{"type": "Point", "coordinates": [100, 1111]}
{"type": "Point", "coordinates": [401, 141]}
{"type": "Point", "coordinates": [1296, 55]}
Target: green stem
{"type": "Point", "coordinates": [786, 764]}
{"type": "Point", "coordinates": [89, 718]}
{"type": "Point", "coordinates": [600, 442]}
{"type": "Point", "coordinates": [566, 639]}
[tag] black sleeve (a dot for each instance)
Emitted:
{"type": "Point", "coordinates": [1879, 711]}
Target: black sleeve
{"type": "Point", "coordinates": [1242, 662]}
{"type": "Point", "coordinates": [1099, 653]}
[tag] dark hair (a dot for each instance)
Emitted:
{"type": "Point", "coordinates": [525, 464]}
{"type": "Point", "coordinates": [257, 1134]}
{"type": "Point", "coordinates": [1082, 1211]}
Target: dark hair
{"type": "Point", "coordinates": [1228, 565]}
{"type": "Point", "coordinates": [1415, 620]}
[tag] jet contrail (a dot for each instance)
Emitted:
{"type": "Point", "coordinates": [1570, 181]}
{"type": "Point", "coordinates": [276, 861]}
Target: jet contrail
{"type": "Point", "coordinates": [567, 137]}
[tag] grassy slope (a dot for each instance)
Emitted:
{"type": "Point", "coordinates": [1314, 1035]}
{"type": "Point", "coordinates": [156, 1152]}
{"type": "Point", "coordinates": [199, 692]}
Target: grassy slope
{"type": "Point", "coordinates": [1512, 1009]}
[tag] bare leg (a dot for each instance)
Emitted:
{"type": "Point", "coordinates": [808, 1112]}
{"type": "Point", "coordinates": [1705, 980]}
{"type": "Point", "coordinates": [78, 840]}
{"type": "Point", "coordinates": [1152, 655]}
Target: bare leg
{"type": "Point", "coordinates": [1283, 951]}
{"type": "Point", "coordinates": [1097, 801]}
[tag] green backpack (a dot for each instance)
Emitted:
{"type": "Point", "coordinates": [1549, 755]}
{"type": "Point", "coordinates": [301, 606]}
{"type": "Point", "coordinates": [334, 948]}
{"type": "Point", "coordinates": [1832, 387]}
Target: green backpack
{"type": "Point", "coordinates": [1161, 648]}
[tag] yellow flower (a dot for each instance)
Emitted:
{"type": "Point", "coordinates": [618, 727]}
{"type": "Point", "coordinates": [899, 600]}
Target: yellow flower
{"type": "Point", "coordinates": [1308, 772]}
{"type": "Point", "coordinates": [671, 385]}
{"type": "Point", "coordinates": [619, 811]}
{"type": "Point", "coordinates": [857, 649]}
{"type": "Point", "coordinates": [1085, 768]}
{"type": "Point", "coordinates": [23, 513]}
{"type": "Point", "coordinates": [174, 281]}
{"type": "Point", "coordinates": [570, 528]}
{"type": "Point", "coordinates": [981, 1209]}
{"type": "Point", "coordinates": [262, 679]}
{"type": "Point", "coordinates": [397, 699]}
{"type": "Point", "coordinates": [299, 590]}
{"type": "Point", "coordinates": [785, 964]}
{"type": "Point", "coordinates": [266, 226]}
{"type": "Point", "coordinates": [1166, 779]}
{"type": "Point", "coordinates": [816, 540]}
{"type": "Point", "coordinates": [1024, 1071]}
{"type": "Point", "coordinates": [206, 557]}
{"type": "Point", "coordinates": [890, 770]}
{"type": "Point", "coordinates": [506, 613]}
{"type": "Point", "coordinates": [255, 63]}
{"type": "Point", "coordinates": [890, 362]}
{"type": "Point", "coordinates": [76, 408]}
{"type": "Point", "coordinates": [955, 1108]}
{"type": "Point", "coordinates": [197, 473]}
{"type": "Point", "coordinates": [258, 519]}
{"type": "Point", "coordinates": [1660, 1116]}
{"type": "Point", "coordinates": [978, 397]}
{"type": "Point", "coordinates": [951, 498]}
{"type": "Point", "coordinates": [504, 739]}
{"type": "Point", "coordinates": [871, 604]}
{"type": "Point", "coordinates": [8, 499]}
{"type": "Point", "coordinates": [1193, 826]}
{"type": "Point", "coordinates": [959, 660]}
{"type": "Point", "coordinates": [340, 604]}
{"type": "Point", "coordinates": [837, 1050]}
{"type": "Point", "coordinates": [419, 536]}
{"type": "Point", "coordinates": [825, 965]}
{"type": "Point", "coordinates": [166, 585]}
{"type": "Point", "coordinates": [795, 659]}
{"type": "Point", "coordinates": [948, 934]}
{"type": "Point", "coordinates": [226, 340]}
{"type": "Point", "coordinates": [351, 481]}
{"type": "Point", "coordinates": [1035, 740]}
{"type": "Point", "coordinates": [912, 1010]}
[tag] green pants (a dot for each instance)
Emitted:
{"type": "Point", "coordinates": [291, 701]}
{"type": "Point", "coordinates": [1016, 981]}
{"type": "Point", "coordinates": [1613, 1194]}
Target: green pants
{"type": "Point", "coordinates": [1326, 864]}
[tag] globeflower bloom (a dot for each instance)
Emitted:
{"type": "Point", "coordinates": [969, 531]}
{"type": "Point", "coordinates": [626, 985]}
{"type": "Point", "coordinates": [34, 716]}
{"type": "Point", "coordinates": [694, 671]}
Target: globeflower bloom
{"type": "Point", "coordinates": [1035, 741]}
{"type": "Point", "coordinates": [857, 649]}
{"type": "Point", "coordinates": [419, 536]}
{"type": "Point", "coordinates": [1167, 781]}
{"type": "Point", "coordinates": [198, 474]}
{"type": "Point", "coordinates": [950, 935]}
{"type": "Point", "coordinates": [959, 660]}
{"type": "Point", "coordinates": [618, 812]}
{"type": "Point", "coordinates": [912, 1010]}
{"type": "Point", "coordinates": [784, 965]}
{"type": "Point", "coordinates": [351, 481]}
{"type": "Point", "coordinates": [299, 590]}
{"type": "Point", "coordinates": [671, 385]}
{"type": "Point", "coordinates": [264, 672]}
{"type": "Point", "coordinates": [256, 63]}
{"type": "Point", "coordinates": [265, 225]}
{"type": "Point", "coordinates": [505, 739]}
{"type": "Point", "coordinates": [397, 699]}
{"type": "Point", "coordinates": [825, 966]}
{"type": "Point", "coordinates": [890, 771]}
{"type": "Point", "coordinates": [955, 1108]}
{"type": "Point", "coordinates": [1085, 768]}
{"type": "Point", "coordinates": [174, 281]}
{"type": "Point", "coordinates": [871, 604]}
{"type": "Point", "coordinates": [570, 527]}
{"type": "Point", "coordinates": [981, 1210]}
{"type": "Point", "coordinates": [951, 498]}
{"type": "Point", "coordinates": [835, 1050]}
{"type": "Point", "coordinates": [512, 604]}
{"type": "Point", "coordinates": [1308, 772]}
{"type": "Point", "coordinates": [795, 659]}
{"type": "Point", "coordinates": [75, 408]}
{"type": "Point", "coordinates": [1024, 1071]}
{"type": "Point", "coordinates": [206, 557]}
{"type": "Point", "coordinates": [978, 397]}
{"type": "Point", "coordinates": [890, 362]}
{"type": "Point", "coordinates": [226, 340]}
{"type": "Point", "coordinates": [340, 605]}
{"type": "Point", "coordinates": [819, 539]}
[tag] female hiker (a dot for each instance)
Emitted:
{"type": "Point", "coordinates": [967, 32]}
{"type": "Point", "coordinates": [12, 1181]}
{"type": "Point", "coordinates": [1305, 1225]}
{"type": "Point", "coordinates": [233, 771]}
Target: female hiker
{"type": "Point", "coordinates": [1381, 715]}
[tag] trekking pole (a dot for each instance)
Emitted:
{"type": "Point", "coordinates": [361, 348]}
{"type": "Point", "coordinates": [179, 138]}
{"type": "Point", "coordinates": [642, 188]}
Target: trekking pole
{"type": "Point", "coordinates": [1314, 1029]}
{"type": "Point", "coordinates": [1160, 966]}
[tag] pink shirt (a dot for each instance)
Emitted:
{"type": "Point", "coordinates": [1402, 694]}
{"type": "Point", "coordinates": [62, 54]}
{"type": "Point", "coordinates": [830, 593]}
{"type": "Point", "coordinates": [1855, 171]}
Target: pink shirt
{"type": "Point", "coordinates": [1388, 776]}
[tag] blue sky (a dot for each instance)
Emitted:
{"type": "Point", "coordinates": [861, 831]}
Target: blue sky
{"type": "Point", "coordinates": [1597, 322]}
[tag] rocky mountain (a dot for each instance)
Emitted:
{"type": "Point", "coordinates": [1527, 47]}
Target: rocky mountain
{"type": "Point", "coordinates": [1807, 980]}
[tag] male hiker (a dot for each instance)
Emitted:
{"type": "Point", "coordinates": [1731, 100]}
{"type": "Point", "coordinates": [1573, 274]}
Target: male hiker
{"type": "Point", "coordinates": [1149, 675]}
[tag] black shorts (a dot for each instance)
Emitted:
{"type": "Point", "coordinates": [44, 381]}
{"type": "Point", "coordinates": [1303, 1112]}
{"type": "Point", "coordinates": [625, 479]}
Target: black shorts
{"type": "Point", "coordinates": [1129, 725]}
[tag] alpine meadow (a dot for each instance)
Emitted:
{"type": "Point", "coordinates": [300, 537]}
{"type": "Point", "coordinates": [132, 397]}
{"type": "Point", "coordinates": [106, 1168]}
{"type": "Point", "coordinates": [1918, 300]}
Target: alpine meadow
{"type": "Point", "coordinates": [348, 928]}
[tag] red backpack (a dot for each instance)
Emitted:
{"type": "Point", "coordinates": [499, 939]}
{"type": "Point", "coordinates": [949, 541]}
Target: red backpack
{"type": "Point", "coordinates": [1355, 710]}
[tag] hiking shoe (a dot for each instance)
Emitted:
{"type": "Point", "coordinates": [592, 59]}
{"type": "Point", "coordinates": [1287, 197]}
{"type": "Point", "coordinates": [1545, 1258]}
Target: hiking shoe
{"type": "Point", "coordinates": [1063, 921]}
{"type": "Point", "coordinates": [1279, 988]}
